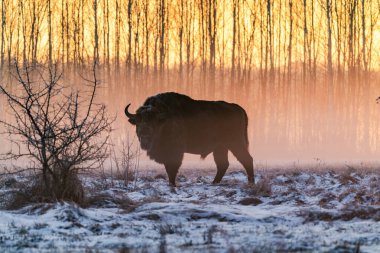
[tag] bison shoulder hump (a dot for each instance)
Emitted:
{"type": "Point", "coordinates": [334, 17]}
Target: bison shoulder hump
{"type": "Point", "coordinates": [168, 100]}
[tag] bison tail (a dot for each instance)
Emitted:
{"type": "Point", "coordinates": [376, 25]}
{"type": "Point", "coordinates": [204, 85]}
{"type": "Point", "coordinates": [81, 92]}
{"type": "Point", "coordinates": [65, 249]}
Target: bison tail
{"type": "Point", "coordinates": [246, 128]}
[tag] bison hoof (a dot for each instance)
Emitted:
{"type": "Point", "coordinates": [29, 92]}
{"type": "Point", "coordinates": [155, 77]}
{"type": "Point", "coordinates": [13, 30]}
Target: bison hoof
{"type": "Point", "coordinates": [216, 182]}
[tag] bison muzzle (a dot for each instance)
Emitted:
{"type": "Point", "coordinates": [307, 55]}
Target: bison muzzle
{"type": "Point", "coordinates": [171, 124]}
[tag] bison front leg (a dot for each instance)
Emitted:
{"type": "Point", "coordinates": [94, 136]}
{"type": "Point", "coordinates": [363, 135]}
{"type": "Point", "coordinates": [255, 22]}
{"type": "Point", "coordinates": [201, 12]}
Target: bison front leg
{"type": "Point", "coordinates": [172, 170]}
{"type": "Point", "coordinates": [221, 160]}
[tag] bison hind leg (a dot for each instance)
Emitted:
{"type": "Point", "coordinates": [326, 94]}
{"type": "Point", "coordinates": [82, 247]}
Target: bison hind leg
{"type": "Point", "coordinates": [241, 153]}
{"type": "Point", "coordinates": [221, 160]}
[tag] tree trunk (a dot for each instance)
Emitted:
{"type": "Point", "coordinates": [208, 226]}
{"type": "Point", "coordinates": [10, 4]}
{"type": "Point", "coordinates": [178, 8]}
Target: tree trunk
{"type": "Point", "coordinates": [24, 50]}
{"type": "Point", "coordinates": [82, 37]}
{"type": "Point", "coordinates": [363, 38]}
{"type": "Point", "coordinates": [63, 32]}
{"type": "Point", "coordinates": [162, 34]}
{"type": "Point", "coordinates": [50, 35]}
{"type": "Point", "coordinates": [270, 37]}
{"type": "Point", "coordinates": [32, 34]}
{"type": "Point", "coordinates": [136, 59]}
{"type": "Point", "coordinates": [146, 8]}
{"type": "Point", "coordinates": [189, 15]}
{"type": "Point", "coordinates": [290, 41]}
{"type": "Point", "coordinates": [108, 35]}
{"type": "Point", "coordinates": [329, 54]}
{"type": "Point", "coordinates": [351, 34]}
{"type": "Point", "coordinates": [180, 34]}
{"type": "Point", "coordinates": [305, 39]}
{"type": "Point", "coordinates": [2, 33]}
{"type": "Point", "coordinates": [117, 35]}
{"type": "Point", "coordinates": [212, 33]}
{"type": "Point", "coordinates": [96, 35]}
{"type": "Point", "coordinates": [314, 71]}
{"type": "Point", "coordinates": [338, 39]}
{"type": "Point", "coordinates": [261, 41]}
{"type": "Point", "coordinates": [234, 13]}
{"type": "Point", "coordinates": [67, 35]}
{"type": "Point", "coordinates": [129, 18]}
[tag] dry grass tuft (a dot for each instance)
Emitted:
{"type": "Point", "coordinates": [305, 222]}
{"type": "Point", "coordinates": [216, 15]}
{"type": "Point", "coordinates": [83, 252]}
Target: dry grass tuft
{"type": "Point", "coordinates": [250, 201]}
{"type": "Point", "coordinates": [160, 176]}
{"type": "Point", "coordinates": [106, 200]}
{"type": "Point", "coordinates": [152, 199]}
{"type": "Point", "coordinates": [347, 177]}
{"type": "Point", "coordinates": [325, 201]}
{"type": "Point", "coordinates": [33, 191]}
{"type": "Point", "coordinates": [262, 188]}
{"type": "Point", "coordinates": [348, 214]}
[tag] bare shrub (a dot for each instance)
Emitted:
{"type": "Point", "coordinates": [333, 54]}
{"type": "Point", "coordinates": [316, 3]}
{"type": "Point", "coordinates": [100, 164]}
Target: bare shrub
{"type": "Point", "coordinates": [126, 162]}
{"type": "Point", "coordinates": [209, 234]}
{"type": "Point", "coordinates": [62, 131]}
{"type": "Point", "coordinates": [166, 228]}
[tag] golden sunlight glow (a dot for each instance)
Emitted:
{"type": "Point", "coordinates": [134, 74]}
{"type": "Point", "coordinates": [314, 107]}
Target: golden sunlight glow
{"type": "Point", "coordinates": [247, 34]}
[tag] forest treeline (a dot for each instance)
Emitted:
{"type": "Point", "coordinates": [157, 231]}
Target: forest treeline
{"type": "Point", "coordinates": [266, 38]}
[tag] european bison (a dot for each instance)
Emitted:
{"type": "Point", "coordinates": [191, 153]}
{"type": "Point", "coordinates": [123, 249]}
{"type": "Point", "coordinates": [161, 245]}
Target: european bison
{"type": "Point", "coordinates": [171, 124]}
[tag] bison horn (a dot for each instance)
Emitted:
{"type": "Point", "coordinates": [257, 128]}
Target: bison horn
{"type": "Point", "coordinates": [129, 115]}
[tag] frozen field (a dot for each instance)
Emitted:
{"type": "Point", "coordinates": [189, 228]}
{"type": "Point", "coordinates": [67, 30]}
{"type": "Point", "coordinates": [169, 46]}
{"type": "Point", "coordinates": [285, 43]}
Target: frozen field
{"type": "Point", "coordinates": [296, 211]}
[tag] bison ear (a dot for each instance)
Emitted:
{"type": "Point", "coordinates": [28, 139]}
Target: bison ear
{"type": "Point", "coordinates": [132, 121]}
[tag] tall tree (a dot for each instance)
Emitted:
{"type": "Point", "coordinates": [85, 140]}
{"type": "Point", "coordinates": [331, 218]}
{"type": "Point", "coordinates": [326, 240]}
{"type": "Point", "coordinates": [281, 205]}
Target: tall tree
{"type": "Point", "coordinates": [63, 37]}
{"type": "Point", "coordinates": [305, 40]}
{"type": "Point", "coordinates": [329, 52]}
{"type": "Point", "coordinates": [181, 33]}
{"type": "Point", "coordinates": [351, 34]}
{"type": "Point", "coordinates": [50, 34]}
{"type": "Point", "coordinates": [339, 21]}
{"type": "Point", "coordinates": [2, 33]}
{"type": "Point", "coordinates": [269, 45]}
{"type": "Point", "coordinates": [129, 18]}
{"type": "Point", "coordinates": [68, 42]}
{"type": "Point", "coordinates": [365, 65]}
{"type": "Point", "coordinates": [108, 34]}
{"type": "Point", "coordinates": [162, 20]}
{"type": "Point", "coordinates": [96, 33]}
{"type": "Point", "coordinates": [147, 30]}
{"type": "Point", "coordinates": [290, 40]}
{"type": "Point", "coordinates": [117, 34]}
{"type": "Point", "coordinates": [235, 4]}
{"type": "Point", "coordinates": [212, 32]}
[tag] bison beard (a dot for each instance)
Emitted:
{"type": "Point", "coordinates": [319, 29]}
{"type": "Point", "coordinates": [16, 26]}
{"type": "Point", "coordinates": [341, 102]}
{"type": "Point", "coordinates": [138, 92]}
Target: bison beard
{"type": "Point", "coordinates": [171, 124]}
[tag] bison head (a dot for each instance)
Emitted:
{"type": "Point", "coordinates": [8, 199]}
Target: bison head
{"type": "Point", "coordinates": [147, 121]}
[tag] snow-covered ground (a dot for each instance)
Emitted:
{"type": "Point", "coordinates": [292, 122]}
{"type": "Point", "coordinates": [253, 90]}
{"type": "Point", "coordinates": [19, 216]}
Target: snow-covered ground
{"type": "Point", "coordinates": [299, 210]}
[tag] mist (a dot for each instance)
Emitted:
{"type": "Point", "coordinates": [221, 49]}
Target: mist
{"type": "Point", "coordinates": [307, 72]}
{"type": "Point", "coordinates": [290, 121]}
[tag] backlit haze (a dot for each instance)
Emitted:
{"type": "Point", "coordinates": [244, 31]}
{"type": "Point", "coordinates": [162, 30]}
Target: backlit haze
{"type": "Point", "coordinates": [307, 72]}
